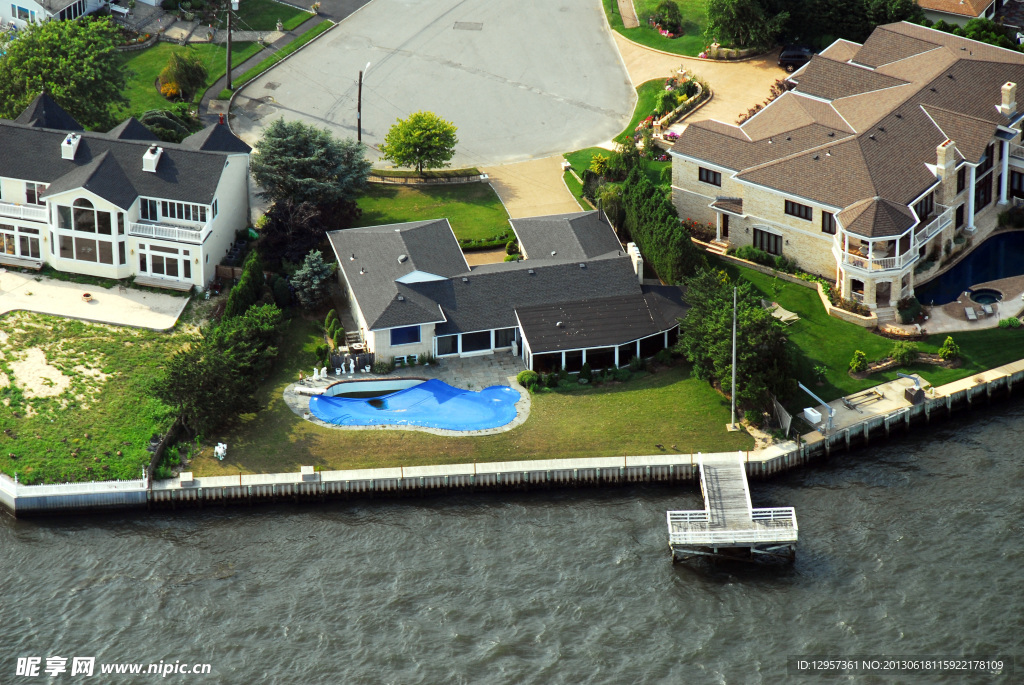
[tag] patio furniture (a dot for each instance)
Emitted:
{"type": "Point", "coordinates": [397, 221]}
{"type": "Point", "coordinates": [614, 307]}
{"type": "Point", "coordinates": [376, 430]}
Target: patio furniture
{"type": "Point", "coordinates": [784, 315]}
{"type": "Point", "coordinates": [971, 316]}
{"type": "Point", "coordinates": [987, 308]}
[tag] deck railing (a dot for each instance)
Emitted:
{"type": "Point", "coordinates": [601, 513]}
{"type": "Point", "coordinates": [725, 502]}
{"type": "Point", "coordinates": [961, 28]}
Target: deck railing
{"type": "Point", "coordinates": [181, 234]}
{"type": "Point", "coordinates": [777, 524]}
{"type": "Point", "coordinates": [23, 212]}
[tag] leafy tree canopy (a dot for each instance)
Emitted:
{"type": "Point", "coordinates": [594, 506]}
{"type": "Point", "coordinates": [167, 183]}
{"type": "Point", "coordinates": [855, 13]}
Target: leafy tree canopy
{"type": "Point", "coordinates": [185, 68]}
{"type": "Point", "coordinates": [763, 362]}
{"type": "Point", "coordinates": [74, 61]}
{"type": "Point", "coordinates": [312, 279]}
{"type": "Point", "coordinates": [424, 141]}
{"type": "Point", "coordinates": [743, 23]}
{"type": "Point", "coordinates": [299, 163]}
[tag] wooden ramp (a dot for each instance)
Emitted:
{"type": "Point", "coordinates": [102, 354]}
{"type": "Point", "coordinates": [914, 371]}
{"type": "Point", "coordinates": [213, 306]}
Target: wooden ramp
{"type": "Point", "coordinates": [728, 525]}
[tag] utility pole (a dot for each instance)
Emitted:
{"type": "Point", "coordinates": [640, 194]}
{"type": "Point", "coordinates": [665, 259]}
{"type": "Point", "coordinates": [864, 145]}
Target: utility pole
{"type": "Point", "coordinates": [234, 8]}
{"type": "Point", "coordinates": [732, 426]}
{"type": "Point", "coordinates": [359, 106]}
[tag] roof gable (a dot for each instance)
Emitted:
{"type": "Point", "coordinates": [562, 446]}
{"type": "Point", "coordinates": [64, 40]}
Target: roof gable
{"type": "Point", "coordinates": [876, 218]}
{"type": "Point", "coordinates": [132, 129]}
{"type": "Point", "coordinates": [44, 112]}
{"type": "Point", "coordinates": [574, 237]}
{"type": "Point", "coordinates": [828, 79]}
{"type": "Point", "coordinates": [102, 176]}
{"type": "Point", "coordinates": [216, 138]}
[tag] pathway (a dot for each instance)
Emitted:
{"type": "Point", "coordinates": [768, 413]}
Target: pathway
{"type": "Point", "coordinates": [628, 13]}
{"type": "Point", "coordinates": [533, 188]}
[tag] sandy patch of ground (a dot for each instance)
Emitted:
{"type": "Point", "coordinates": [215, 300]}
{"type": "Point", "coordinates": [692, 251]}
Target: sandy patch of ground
{"type": "Point", "coordinates": [95, 374]}
{"type": "Point", "coordinates": [4, 380]}
{"type": "Point", "coordinates": [38, 378]}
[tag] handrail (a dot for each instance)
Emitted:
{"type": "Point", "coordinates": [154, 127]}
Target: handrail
{"type": "Point", "coordinates": [182, 234]}
{"type": "Point", "coordinates": [23, 212]}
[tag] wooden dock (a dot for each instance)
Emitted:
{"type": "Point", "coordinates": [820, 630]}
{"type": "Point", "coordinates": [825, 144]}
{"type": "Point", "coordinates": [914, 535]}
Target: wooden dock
{"type": "Point", "coordinates": [729, 526]}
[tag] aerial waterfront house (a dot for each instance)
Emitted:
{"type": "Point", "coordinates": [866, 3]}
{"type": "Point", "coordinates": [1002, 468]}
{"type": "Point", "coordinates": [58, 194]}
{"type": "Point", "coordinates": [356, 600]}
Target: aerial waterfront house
{"type": "Point", "coordinates": [121, 203]}
{"type": "Point", "coordinates": [578, 297]}
{"type": "Point", "coordinates": [878, 158]}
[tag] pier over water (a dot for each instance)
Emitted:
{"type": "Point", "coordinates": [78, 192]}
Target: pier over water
{"type": "Point", "coordinates": [729, 526]}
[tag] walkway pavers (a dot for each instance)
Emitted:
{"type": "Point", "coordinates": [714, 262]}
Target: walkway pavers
{"type": "Point", "coordinates": [139, 308]}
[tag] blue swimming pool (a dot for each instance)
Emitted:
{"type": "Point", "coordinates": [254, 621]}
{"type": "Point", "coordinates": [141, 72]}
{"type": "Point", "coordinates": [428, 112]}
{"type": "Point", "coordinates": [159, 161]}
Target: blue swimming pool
{"type": "Point", "coordinates": [1001, 256]}
{"type": "Point", "coordinates": [430, 404]}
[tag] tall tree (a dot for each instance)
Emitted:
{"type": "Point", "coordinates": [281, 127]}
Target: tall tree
{"type": "Point", "coordinates": [763, 361]}
{"type": "Point", "coordinates": [744, 23]}
{"type": "Point", "coordinates": [312, 279]}
{"type": "Point", "coordinates": [75, 61]}
{"type": "Point", "coordinates": [299, 163]}
{"type": "Point", "coordinates": [186, 69]}
{"type": "Point", "coordinates": [424, 141]}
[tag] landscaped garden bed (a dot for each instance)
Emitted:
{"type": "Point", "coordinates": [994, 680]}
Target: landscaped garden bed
{"type": "Point", "coordinates": [686, 39]}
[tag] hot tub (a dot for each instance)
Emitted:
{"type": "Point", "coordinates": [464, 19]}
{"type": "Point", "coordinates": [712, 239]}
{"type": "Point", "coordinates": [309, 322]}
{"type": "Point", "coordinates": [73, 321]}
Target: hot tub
{"type": "Point", "coordinates": [986, 296]}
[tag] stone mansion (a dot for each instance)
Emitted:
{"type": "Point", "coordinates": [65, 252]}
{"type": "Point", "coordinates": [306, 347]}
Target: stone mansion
{"type": "Point", "coordinates": [877, 158]}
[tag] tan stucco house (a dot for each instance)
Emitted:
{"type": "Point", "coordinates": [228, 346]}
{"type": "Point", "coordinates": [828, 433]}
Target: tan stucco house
{"type": "Point", "coordinates": [879, 155]}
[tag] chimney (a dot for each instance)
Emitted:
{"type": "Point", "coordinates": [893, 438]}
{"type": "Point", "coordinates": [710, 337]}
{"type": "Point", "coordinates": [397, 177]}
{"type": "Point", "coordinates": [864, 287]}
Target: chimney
{"type": "Point", "coordinates": [945, 165]}
{"type": "Point", "coordinates": [151, 158]}
{"type": "Point", "coordinates": [1009, 104]}
{"type": "Point", "coordinates": [69, 147]}
{"type": "Point", "coordinates": [637, 259]}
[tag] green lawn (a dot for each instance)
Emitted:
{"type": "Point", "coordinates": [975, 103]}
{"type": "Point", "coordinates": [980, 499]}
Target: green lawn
{"type": "Point", "coordinates": [576, 188]}
{"type": "Point", "coordinates": [146, 65]}
{"type": "Point", "coordinates": [648, 94]}
{"type": "Point", "coordinates": [262, 15]}
{"type": "Point", "coordinates": [667, 408]}
{"type": "Point", "coordinates": [694, 15]}
{"type": "Point", "coordinates": [93, 398]}
{"type": "Point", "coordinates": [580, 161]}
{"type": "Point", "coordinates": [821, 339]}
{"type": "Point", "coordinates": [277, 56]}
{"type": "Point", "coordinates": [473, 209]}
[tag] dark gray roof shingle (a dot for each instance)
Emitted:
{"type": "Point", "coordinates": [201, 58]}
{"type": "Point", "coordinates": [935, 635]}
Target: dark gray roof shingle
{"type": "Point", "coordinates": [577, 236]}
{"type": "Point", "coordinates": [103, 176]}
{"type": "Point", "coordinates": [132, 129]}
{"type": "Point", "coordinates": [44, 112]}
{"type": "Point", "coordinates": [216, 138]}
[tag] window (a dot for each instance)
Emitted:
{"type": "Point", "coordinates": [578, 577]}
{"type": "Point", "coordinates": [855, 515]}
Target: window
{"type": "Point", "coordinates": [961, 179]}
{"type": "Point", "coordinates": [147, 209]}
{"type": "Point", "coordinates": [29, 247]}
{"type": "Point", "coordinates": [32, 191]}
{"type": "Point", "coordinates": [142, 262]}
{"type": "Point", "coordinates": [214, 209]}
{"type": "Point", "coordinates": [769, 242]}
{"type": "Point", "coordinates": [798, 210]}
{"type": "Point", "coordinates": [120, 223]}
{"type": "Point", "coordinates": [106, 252]}
{"type": "Point", "coordinates": [405, 336]}
{"type": "Point", "coordinates": [64, 217]}
{"type": "Point", "coordinates": [925, 207]}
{"type": "Point", "coordinates": [959, 216]}
{"type": "Point", "coordinates": [709, 176]}
{"type": "Point", "coordinates": [85, 216]}
{"type": "Point", "coordinates": [85, 249]}
{"type": "Point", "coordinates": [120, 254]}
{"type": "Point", "coordinates": [474, 342]}
{"type": "Point", "coordinates": [503, 337]}
{"type": "Point", "coordinates": [103, 223]}
{"type": "Point", "coordinates": [986, 162]}
{"type": "Point", "coordinates": [67, 247]}
{"type": "Point", "coordinates": [828, 223]}
{"type": "Point", "coordinates": [447, 344]}
{"type": "Point", "coordinates": [183, 211]}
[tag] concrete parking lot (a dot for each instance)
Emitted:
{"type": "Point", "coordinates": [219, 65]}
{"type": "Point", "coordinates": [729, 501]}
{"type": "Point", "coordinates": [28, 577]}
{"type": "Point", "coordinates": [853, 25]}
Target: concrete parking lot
{"type": "Point", "coordinates": [520, 79]}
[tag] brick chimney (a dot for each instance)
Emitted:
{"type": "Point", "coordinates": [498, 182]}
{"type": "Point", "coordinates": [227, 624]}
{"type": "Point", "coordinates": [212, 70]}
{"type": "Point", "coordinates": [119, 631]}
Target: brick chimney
{"type": "Point", "coordinates": [945, 169]}
{"type": "Point", "coordinates": [1009, 101]}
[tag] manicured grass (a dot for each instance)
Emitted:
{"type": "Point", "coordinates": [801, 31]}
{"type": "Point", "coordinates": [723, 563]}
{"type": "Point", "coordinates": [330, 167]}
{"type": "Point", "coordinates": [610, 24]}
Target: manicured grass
{"type": "Point", "coordinates": [580, 161]}
{"type": "Point", "coordinates": [262, 15]}
{"type": "Point", "coordinates": [576, 188]}
{"type": "Point", "coordinates": [694, 15]}
{"type": "Point", "coordinates": [309, 35]}
{"type": "Point", "coordinates": [820, 339]}
{"type": "Point", "coordinates": [667, 408]}
{"type": "Point", "coordinates": [473, 209]}
{"type": "Point", "coordinates": [75, 435]}
{"type": "Point", "coordinates": [648, 94]}
{"type": "Point", "coordinates": [146, 65]}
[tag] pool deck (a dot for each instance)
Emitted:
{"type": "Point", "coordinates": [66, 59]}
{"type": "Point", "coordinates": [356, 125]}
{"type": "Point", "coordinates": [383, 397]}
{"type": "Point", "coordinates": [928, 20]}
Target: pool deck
{"type": "Point", "coordinates": [469, 373]}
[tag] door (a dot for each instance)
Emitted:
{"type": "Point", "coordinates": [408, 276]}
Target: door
{"type": "Point", "coordinates": [725, 226]}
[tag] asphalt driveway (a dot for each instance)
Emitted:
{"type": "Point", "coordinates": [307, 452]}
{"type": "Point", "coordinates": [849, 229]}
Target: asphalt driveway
{"type": "Point", "coordinates": [519, 78]}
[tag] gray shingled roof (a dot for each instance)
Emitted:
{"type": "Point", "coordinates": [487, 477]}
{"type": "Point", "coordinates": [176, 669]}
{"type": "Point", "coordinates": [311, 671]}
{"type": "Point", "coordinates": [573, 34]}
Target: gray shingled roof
{"type": "Point", "coordinates": [369, 258]}
{"type": "Point", "coordinates": [577, 236]}
{"type": "Point", "coordinates": [103, 176]}
{"type": "Point", "coordinates": [34, 154]}
{"type": "Point", "coordinates": [44, 112]}
{"type": "Point", "coordinates": [132, 129]}
{"type": "Point", "coordinates": [601, 322]}
{"type": "Point", "coordinates": [491, 293]}
{"type": "Point", "coordinates": [216, 138]}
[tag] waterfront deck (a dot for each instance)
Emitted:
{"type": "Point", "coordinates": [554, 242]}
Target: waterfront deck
{"type": "Point", "coordinates": [729, 524]}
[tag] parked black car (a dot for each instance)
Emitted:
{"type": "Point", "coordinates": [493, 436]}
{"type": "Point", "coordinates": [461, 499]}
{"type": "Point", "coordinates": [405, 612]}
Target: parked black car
{"type": "Point", "coordinates": [793, 57]}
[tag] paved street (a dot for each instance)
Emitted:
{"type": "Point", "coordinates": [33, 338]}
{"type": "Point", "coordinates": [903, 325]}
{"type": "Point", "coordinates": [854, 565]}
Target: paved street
{"type": "Point", "coordinates": [520, 79]}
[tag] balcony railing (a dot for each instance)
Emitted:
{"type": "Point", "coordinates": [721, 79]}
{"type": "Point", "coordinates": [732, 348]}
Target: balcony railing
{"type": "Point", "coordinates": [766, 525]}
{"type": "Point", "coordinates": [181, 234]}
{"type": "Point", "coordinates": [23, 212]}
{"type": "Point", "coordinates": [1017, 151]}
{"type": "Point", "coordinates": [930, 230]}
{"type": "Point", "coordinates": [875, 263]}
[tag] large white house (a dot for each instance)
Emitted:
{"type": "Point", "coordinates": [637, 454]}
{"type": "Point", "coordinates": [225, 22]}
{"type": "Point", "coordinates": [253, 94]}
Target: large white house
{"type": "Point", "coordinates": [20, 13]}
{"type": "Point", "coordinates": [121, 203]}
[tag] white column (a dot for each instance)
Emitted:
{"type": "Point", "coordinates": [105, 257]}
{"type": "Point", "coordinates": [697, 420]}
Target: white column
{"type": "Point", "coordinates": [718, 225]}
{"type": "Point", "coordinates": [616, 356]}
{"type": "Point", "coordinates": [1005, 178]}
{"type": "Point", "coordinates": [970, 198]}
